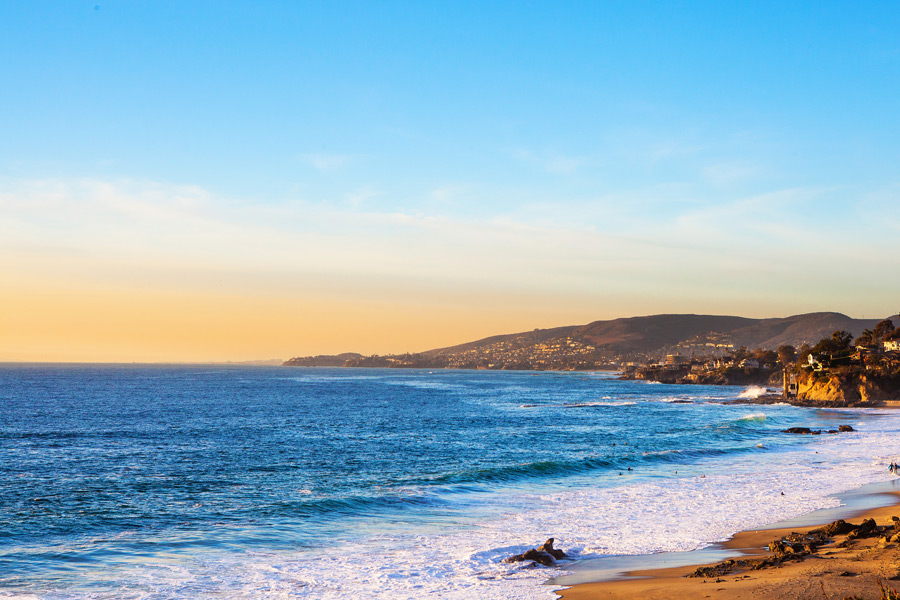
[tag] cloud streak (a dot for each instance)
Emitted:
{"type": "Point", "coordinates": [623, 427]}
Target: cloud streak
{"type": "Point", "coordinates": [152, 226]}
{"type": "Point", "coordinates": [114, 243]}
{"type": "Point", "coordinates": [326, 163]}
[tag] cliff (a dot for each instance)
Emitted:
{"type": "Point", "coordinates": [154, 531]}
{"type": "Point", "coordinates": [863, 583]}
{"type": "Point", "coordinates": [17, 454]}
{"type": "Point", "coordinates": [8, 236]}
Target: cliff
{"type": "Point", "coordinates": [723, 376]}
{"type": "Point", "coordinates": [845, 389]}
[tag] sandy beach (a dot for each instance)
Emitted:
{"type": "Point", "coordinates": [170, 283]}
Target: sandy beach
{"type": "Point", "coordinates": [847, 565]}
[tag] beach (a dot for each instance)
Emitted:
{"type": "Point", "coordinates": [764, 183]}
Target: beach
{"type": "Point", "coordinates": [840, 568]}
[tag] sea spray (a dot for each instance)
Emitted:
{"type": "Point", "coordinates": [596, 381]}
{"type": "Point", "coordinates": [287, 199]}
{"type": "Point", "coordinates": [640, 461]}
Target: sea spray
{"type": "Point", "coordinates": [754, 391]}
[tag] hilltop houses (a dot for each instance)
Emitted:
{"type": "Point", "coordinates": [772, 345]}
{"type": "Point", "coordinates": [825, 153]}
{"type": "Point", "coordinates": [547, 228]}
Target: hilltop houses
{"type": "Point", "coordinates": [892, 343]}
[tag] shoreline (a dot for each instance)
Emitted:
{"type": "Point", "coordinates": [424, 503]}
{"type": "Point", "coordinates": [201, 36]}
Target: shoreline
{"type": "Point", "coordinates": [664, 575]}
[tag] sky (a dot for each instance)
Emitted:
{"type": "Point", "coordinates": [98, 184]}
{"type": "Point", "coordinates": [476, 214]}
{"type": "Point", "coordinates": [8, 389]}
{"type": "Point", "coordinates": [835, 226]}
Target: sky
{"type": "Point", "coordinates": [211, 181]}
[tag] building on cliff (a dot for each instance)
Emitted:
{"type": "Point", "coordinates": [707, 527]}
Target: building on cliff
{"type": "Point", "coordinates": [892, 344]}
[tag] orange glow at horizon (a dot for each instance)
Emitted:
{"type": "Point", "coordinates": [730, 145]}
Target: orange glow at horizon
{"type": "Point", "coordinates": [152, 326]}
{"type": "Point", "coordinates": [129, 271]}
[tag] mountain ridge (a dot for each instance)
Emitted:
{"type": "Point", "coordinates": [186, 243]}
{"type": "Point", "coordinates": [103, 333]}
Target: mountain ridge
{"type": "Point", "coordinates": [670, 329]}
{"type": "Point", "coordinates": [615, 342]}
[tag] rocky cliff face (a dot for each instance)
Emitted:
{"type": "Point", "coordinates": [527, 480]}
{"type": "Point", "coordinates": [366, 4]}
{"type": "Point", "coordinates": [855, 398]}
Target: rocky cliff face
{"type": "Point", "coordinates": [851, 389]}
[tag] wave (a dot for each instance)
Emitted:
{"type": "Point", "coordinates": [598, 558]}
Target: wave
{"type": "Point", "coordinates": [583, 404]}
{"type": "Point", "coordinates": [690, 455]}
{"type": "Point", "coordinates": [754, 391]}
{"type": "Point", "coordinates": [350, 506]}
{"type": "Point", "coordinates": [549, 469]}
{"type": "Point", "coordinates": [579, 404]}
{"type": "Point", "coordinates": [741, 428]}
{"type": "Point", "coordinates": [678, 399]}
{"type": "Point", "coordinates": [423, 385]}
{"type": "Point", "coordinates": [753, 417]}
{"type": "Point", "coordinates": [532, 470]}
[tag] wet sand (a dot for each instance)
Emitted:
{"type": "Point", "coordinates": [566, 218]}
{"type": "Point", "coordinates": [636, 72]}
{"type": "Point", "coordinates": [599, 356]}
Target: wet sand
{"type": "Point", "coordinates": [859, 569]}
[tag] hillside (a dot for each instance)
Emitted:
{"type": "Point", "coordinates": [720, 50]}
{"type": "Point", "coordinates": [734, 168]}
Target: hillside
{"type": "Point", "coordinates": [323, 360]}
{"type": "Point", "coordinates": [609, 344]}
{"type": "Point", "coordinates": [652, 333]}
{"type": "Point", "coordinates": [527, 338]}
{"type": "Point", "coordinates": [656, 333]}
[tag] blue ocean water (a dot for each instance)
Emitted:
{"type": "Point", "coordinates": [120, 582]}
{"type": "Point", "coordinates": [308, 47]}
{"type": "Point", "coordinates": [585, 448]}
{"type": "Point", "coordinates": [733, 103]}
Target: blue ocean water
{"type": "Point", "coordinates": [248, 482]}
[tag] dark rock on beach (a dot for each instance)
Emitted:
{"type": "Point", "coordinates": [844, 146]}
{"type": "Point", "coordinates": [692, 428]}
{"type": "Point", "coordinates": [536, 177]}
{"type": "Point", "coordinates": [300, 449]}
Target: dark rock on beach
{"type": "Point", "coordinates": [803, 430]}
{"type": "Point", "coordinates": [799, 546]}
{"type": "Point", "coordinates": [808, 431]}
{"type": "Point", "coordinates": [545, 555]}
{"type": "Point", "coordinates": [723, 568]}
{"type": "Point", "coordinates": [868, 528]}
{"type": "Point", "coordinates": [549, 549]}
{"type": "Point", "coordinates": [839, 527]}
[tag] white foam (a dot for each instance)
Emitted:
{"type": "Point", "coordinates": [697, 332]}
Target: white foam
{"type": "Point", "coordinates": [673, 515]}
{"type": "Point", "coordinates": [677, 514]}
{"type": "Point", "coordinates": [322, 378]}
{"type": "Point", "coordinates": [423, 384]}
{"type": "Point", "coordinates": [754, 391]}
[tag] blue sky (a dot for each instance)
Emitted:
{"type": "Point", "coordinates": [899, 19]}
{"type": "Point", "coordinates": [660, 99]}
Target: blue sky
{"type": "Point", "coordinates": [512, 164]}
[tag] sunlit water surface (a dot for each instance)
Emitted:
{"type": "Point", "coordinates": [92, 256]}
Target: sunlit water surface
{"type": "Point", "coordinates": [162, 482]}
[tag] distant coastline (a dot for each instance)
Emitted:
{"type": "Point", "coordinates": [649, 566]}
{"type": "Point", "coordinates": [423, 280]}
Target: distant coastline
{"type": "Point", "coordinates": [817, 359]}
{"type": "Point", "coordinates": [614, 344]}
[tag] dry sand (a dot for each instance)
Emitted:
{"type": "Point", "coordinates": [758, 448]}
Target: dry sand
{"type": "Point", "coordinates": [855, 571]}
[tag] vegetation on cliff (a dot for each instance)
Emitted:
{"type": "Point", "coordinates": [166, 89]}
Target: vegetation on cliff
{"type": "Point", "coordinates": [841, 372]}
{"type": "Point", "coordinates": [736, 367]}
{"type": "Point", "coordinates": [835, 371]}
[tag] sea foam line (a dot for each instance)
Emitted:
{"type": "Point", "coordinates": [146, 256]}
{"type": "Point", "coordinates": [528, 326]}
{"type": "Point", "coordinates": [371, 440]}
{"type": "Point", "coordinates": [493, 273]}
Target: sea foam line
{"type": "Point", "coordinates": [636, 517]}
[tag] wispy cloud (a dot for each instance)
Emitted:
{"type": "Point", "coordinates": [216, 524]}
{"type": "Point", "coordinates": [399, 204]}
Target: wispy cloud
{"type": "Point", "coordinates": [131, 231]}
{"type": "Point", "coordinates": [360, 196]}
{"type": "Point", "coordinates": [730, 173]}
{"type": "Point", "coordinates": [326, 162]}
{"type": "Point", "coordinates": [557, 164]}
{"type": "Point", "coordinates": [448, 196]}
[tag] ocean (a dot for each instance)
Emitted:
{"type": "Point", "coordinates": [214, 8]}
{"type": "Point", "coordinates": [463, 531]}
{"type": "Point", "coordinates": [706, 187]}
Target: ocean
{"type": "Point", "coordinates": [200, 482]}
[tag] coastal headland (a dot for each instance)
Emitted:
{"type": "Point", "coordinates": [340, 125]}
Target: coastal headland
{"type": "Point", "coordinates": [846, 553]}
{"type": "Point", "coordinates": [614, 344]}
{"type": "Point", "coordinates": [817, 358]}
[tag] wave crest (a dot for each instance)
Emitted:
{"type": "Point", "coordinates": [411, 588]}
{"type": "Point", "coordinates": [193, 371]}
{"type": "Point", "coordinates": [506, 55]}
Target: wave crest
{"type": "Point", "coordinates": [754, 391]}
